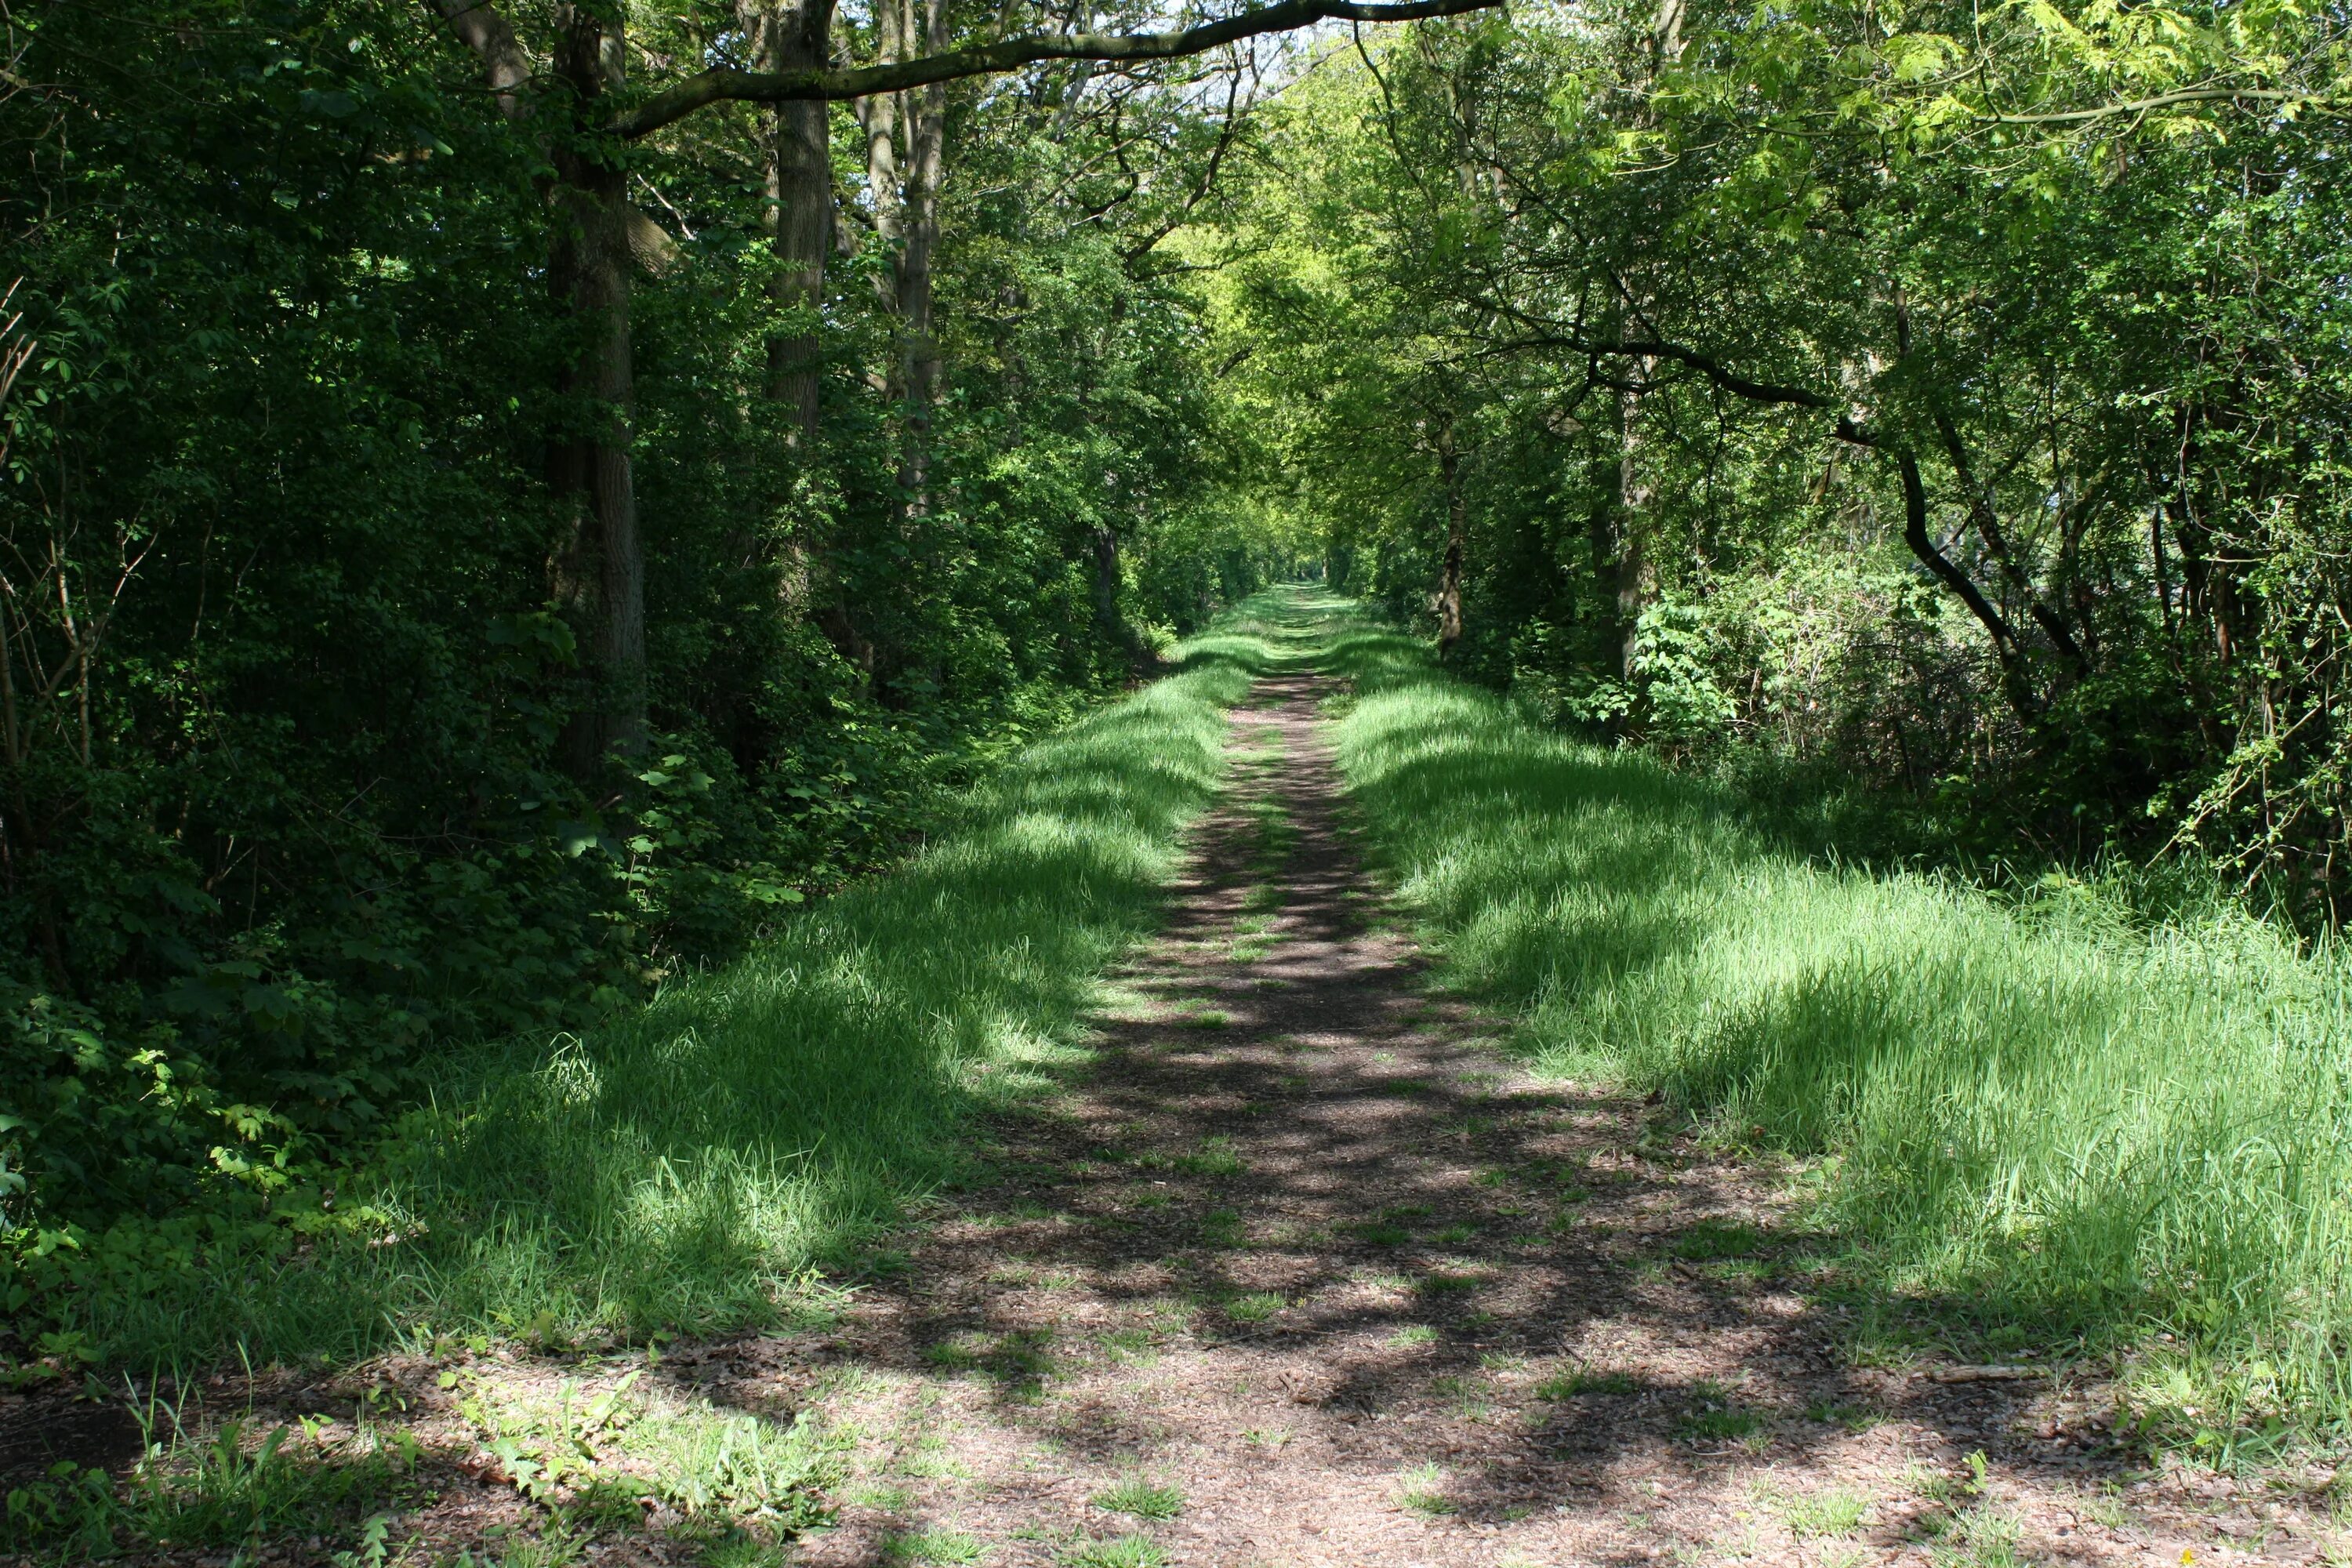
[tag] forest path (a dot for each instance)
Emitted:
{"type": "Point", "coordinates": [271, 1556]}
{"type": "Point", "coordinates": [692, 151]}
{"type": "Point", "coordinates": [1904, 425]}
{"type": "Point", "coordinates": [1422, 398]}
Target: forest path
{"type": "Point", "coordinates": [1303, 1271]}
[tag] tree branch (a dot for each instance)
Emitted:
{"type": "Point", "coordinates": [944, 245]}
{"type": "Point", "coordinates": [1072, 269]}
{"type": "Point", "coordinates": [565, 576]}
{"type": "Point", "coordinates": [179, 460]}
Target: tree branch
{"type": "Point", "coordinates": [505, 67]}
{"type": "Point", "coordinates": [725, 85]}
{"type": "Point", "coordinates": [1988, 522]}
{"type": "Point", "coordinates": [2014, 675]}
{"type": "Point", "coordinates": [2320, 101]}
{"type": "Point", "coordinates": [1721, 375]}
{"type": "Point", "coordinates": [1134, 254]}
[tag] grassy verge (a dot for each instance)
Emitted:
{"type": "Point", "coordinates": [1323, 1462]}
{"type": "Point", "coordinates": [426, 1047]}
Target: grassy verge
{"type": "Point", "coordinates": [683, 1168]}
{"type": "Point", "coordinates": [2043, 1124]}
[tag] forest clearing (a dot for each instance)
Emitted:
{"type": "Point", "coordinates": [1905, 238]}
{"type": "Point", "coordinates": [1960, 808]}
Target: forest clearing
{"type": "Point", "coordinates": [1332, 782]}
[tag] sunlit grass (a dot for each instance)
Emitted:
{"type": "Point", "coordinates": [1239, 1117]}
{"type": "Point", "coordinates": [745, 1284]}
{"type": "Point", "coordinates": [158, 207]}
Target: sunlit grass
{"type": "Point", "coordinates": [2052, 1128]}
{"type": "Point", "coordinates": [1142, 1497]}
{"type": "Point", "coordinates": [688, 1165]}
{"type": "Point", "coordinates": [1421, 1491]}
{"type": "Point", "coordinates": [1123, 1551]}
{"type": "Point", "coordinates": [1836, 1512]}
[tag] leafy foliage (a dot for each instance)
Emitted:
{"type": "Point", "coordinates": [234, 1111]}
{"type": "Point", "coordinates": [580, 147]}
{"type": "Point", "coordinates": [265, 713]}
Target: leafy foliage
{"type": "Point", "coordinates": [291, 823]}
{"type": "Point", "coordinates": [1948, 402]}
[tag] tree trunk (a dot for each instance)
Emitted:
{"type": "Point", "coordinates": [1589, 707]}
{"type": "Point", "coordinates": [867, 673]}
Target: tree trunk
{"type": "Point", "coordinates": [1449, 584]}
{"type": "Point", "coordinates": [601, 576]}
{"type": "Point", "coordinates": [2016, 679]}
{"type": "Point", "coordinates": [1637, 575]}
{"type": "Point", "coordinates": [1979, 500]}
{"type": "Point", "coordinates": [906, 136]}
{"type": "Point", "coordinates": [1108, 580]}
{"type": "Point", "coordinates": [1637, 572]}
{"type": "Point", "coordinates": [927, 139]}
{"type": "Point", "coordinates": [799, 158]}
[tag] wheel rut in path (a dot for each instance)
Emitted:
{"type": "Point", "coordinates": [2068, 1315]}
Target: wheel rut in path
{"type": "Point", "coordinates": [1302, 1269]}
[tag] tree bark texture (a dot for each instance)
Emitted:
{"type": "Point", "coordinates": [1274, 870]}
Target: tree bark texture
{"type": "Point", "coordinates": [902, 102]}
{"type": "Point", "coordinates": [598, 237]}
{"type": "Point", "coordinates": [898, 73]}
{"type": "Point", "coordinates": [1637, 570]}
{"type": "Point", "coordinates": [906, 134]}
{"type": "Point", "coordinates": [1449, 583]}
{"type": "Point", "coordinates": [1109, 577]}
{"type": "Point", "coordinates": [795, 37]}
{"type": "Point", "coordinates": [601, 577]}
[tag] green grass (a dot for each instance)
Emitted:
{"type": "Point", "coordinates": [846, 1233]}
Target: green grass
{"type": "Point", "coordinates": [1981, 1537]}
{"type": "Point", "coordinates": [1132, 1346]}
{"type": "Point", "coordinates": [1713, 1240]}
{"type": "Point", "coordinates": [216, 1492]}
{"type": "Point", "coordinates": [1835, 1512]}
{"type": "Point", "coordinates": [1586, 1380]}
{"type": "Point", "coordinates": [1421, 1491]}
{"type": "Point", "coordinates": [615, 1449]}
{"type": "Point", "coordinates": [687, 1165]}
{"type": "Point", "coordinates": [1140, 1497]}
{"type": "Point", "coordinates": [1469, 1398]}
{"type": "Point", "coordinates": [1215, 1157]}
{"type": "Point", "coordinates": [592, 1462]}
{"type": "Point", "coordinates": [1022, 1359]}
{"type": "Point", "coordinates": [1853, 1417]}
{"type": "Point", "coordinates": [933, 1546]}
{"type": "Point", "coordinates": [2044, 1122]}
{"type": "Point", "coordinates": [1124, 1552]}
{"type": "Point", "coordinates": [1255, 1307]}
{"type": "Point", "coordinates": [1715, 1416]}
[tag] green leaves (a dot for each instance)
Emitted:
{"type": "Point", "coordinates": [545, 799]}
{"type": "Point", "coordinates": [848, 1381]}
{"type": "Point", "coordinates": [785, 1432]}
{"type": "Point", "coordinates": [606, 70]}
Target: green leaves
{"type": "Point", "coordinates": [1910, 58]}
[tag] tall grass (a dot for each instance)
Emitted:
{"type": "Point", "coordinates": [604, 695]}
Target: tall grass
{"type": "Point", "coordinates": [2047, 1123]}
{"type": "Point", "coordinates": [684, 1166]}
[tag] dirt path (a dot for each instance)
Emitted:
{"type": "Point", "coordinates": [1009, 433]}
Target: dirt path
{"type": "Point", "coordinates": [1301, 1270]}
{"type": "Point", "coordinates": [1306, 1272]}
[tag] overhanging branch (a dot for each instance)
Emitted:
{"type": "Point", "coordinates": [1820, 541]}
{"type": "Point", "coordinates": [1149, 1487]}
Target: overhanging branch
{"type": "Point", "coordinates": [2319, 102]}
{"type": "Point", "coordinates": [1715, 372]}
{"type": "Point", "coordinates": [722, 86]}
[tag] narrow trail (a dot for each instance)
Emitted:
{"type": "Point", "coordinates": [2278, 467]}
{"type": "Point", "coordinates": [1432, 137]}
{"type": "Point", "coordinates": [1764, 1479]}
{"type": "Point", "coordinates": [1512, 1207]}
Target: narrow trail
{"type": "Point", "coordinates": [1296, 1266]}
{"type": "Point", "coordinates": [1305, 1271]}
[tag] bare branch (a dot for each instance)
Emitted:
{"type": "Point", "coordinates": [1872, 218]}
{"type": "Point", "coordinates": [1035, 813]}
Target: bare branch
{"type": "Point", "coordinates": [725, 85]}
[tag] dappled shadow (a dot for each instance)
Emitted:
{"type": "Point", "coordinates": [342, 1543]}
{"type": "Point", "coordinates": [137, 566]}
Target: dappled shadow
{"type": "Point", "coordinates": [2069, 1129]}
{"type": "Point", "coordinates": [677, 1167]}
{"type": "Point", "coordinates": [34, 1437]}
{"type": "Point", "coordinates": [1299, 1201]}
{"type": "Point", "coordinates": [1296, 1238]}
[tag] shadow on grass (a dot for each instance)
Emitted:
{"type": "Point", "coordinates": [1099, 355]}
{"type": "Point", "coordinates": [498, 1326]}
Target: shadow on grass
{"type": "Point", "coordinates": [1418, 1246]}
{"type": "Point", "coordinates": [2070, 1132]}
{"type": "Point", "coordinates": [684, 1166]}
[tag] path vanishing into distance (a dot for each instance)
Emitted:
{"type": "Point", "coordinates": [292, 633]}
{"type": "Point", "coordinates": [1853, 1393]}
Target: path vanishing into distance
{"type": "Point", "coordinates": [1260, 783]}
{"type": "Point", "coordinates": [1297, 1263]}
{"type": "Point", "coordinates": [1304, 1269]}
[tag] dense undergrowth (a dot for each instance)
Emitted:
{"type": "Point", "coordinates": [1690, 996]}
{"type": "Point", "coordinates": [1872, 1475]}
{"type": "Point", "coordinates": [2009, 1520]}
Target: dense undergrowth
{"type": "Point", "coordinates": [682, 1167]}
{"type": "Point", "coordinates": [334, 739]}
{"type": "Point", "coordinates": [2042, 1125]}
